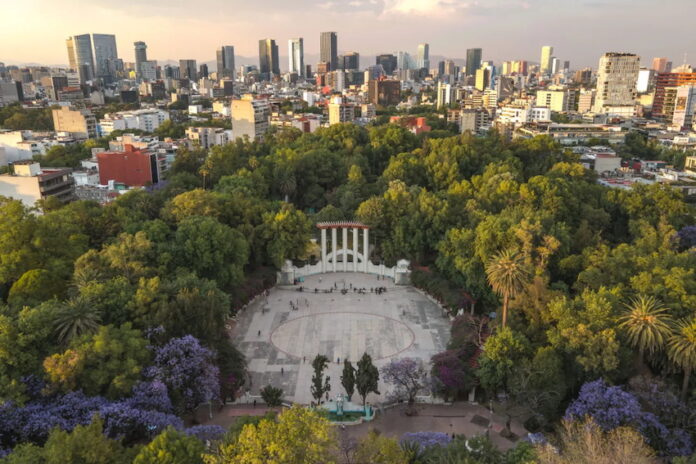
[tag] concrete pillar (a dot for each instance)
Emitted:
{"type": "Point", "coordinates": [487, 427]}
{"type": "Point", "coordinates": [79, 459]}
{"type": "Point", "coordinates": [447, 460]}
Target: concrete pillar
{"type": "Point", "coordinates": [344, 247]}
{"type": "Point", "coordinates": [366, 247]}
{"type": "Point", "coordinates": [355, 249]}
{"type": "Point", "coordinates": [323, 250]}
{"type": "Point", "coordinates": [334, 248]}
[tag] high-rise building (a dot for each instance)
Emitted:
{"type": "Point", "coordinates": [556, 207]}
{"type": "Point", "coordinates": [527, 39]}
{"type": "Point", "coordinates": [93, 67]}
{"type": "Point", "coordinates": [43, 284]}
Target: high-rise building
{"type": "Point", "coordinates": [404, 61]}
{"type": "Point", "coordinates": [148, 70]}
{"type": "Point", "coordinates": [225, 62]}
{"type": "Point", "coordinates": [545, 62]}
{"type": "Point", "coordinates": [423, 60]}
{"type": "Point", "coordinates": [483, 78]}
{"type": "Point", "coordinates": [250, 117]}
{"type": "Point", "coordinates": [80, 56]}
{"type": "Point", "coordinates": [296, 56]}
{"type": "Point", "coordinates": [105, 55]}
{"type": "Point", "coordinates": [328, 51]}
{"type": "Point", "coordinates": [268, 58]}
{"type": "Point", "coordinates": [340, 111]}
{"type": "Point", "coordinates": [351, 61]}
{"type": "Point", "coordinates": [583, 76]}
{"type": "Point", "coordinates": [661, 65]}
{"type": "Point", "coordinates": [617, 75]}
{"type": "Point", "coordinates": [188, 69]}
{"type": "Point", "coordinates": [80, 123]}
{"type": "Point", "coordinates": [473, 60]}
{"type": "Point", "coordinates": [140, 56]}
{"type": "Point", "coordinates": [445, 94]}
{"type": "Point", "coordinates": [669, 80]}
{"type": "Point", "coordinates": [203, 71]}
{"type": "Point", "coordinates": [684, 106]}
{"type": "Point", "coordinates": [388, 62]}
{"type": "Point", "coordinates": [384, 92]}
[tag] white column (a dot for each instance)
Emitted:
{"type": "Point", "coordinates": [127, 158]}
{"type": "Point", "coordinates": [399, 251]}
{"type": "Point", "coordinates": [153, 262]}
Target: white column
{"type": "Point", "coordinates": [355, 249]}
{"type": "Point", "coordinates": [334, 242]}
{"type": "Point", "coordinates": [344, 247]}
{"type": "Point", "coordinates": [323, 250]}
{"type": "Point", "coordinates": [366, 247]}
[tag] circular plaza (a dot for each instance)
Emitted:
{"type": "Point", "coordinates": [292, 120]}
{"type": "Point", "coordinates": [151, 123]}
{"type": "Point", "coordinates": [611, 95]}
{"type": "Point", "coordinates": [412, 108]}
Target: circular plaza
{"type": "Point", "coordinates": [340, 315]}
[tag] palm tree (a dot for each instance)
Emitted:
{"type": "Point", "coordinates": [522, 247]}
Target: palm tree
{"type": "Point", "coordinates": [75, 318]}
{"type": "Point", "coordinates": [507, 275]}
{"type": "Point", "coordinates": [682, 349]}
{"type": "Point", "coordinates": [646, 324]}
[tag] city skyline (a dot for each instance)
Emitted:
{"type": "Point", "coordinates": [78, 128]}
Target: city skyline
{"type": "Point", "coordinates": [358, 23]}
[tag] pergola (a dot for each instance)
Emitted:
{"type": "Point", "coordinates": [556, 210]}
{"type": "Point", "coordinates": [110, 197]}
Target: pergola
{"type": "Point", "coordinates": [329, 259]}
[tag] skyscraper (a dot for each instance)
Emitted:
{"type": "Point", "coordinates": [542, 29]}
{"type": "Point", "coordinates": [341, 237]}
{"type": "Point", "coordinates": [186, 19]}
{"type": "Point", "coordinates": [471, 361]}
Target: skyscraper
{"type": "Point", "coordinates": [617, 75]}
{"type": "Point", "coordinates": [225, 62]}
{"type": "Point", "coordinates": [105, 55]}
{"type": "Point", "coordinates": [661, 65]}
{"type": "Point", "coordinates": [140, 56]}
{"type": "Point", "coordinates": [388, 62]}
{"type": "Point", "coordinates": [545, 63]}
{"type": "Point", "coordinates": [328, 51]}
{"type": "Point", "coordinates": [80, 56]}
{"type": "Point", "coordinates": [351, 60]}
{"type": "Point", "coordinates": [473, 60]}
{"type": "Point", "coordinates": [296, 56]}
{"type": "Point", "coordinates": [268, 58]}
{"type": "Point", "coordinates": [423, 60]}
{"type": "Point", "coordinates": [188, 69]}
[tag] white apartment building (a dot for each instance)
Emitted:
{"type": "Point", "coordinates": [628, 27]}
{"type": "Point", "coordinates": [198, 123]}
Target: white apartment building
{"type": "Point", "coordinates": [445, 94]}
{"type": "Point", "coordinates": [684, 107]}
{"type": "Point", "coordinates": [340, 112]}
{"type": "Point", "coordinates": [146, 120]}
{"type": "Point", "coordinates": [209, 136]}
{"type": "Point", "coordinates": [617, 77]}
{"type": "Point", "coordinates": [556, 100]}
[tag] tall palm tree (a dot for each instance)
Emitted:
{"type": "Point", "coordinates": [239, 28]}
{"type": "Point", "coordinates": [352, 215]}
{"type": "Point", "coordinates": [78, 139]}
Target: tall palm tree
{"type": "Point", "coordinates": [507, 275]}
{"type": "Point", "coordinates": [682, 349]}
{"type": "Point", "coordinates": [647, 325]}
{"type": "Point", "coordinates": [78, 316]}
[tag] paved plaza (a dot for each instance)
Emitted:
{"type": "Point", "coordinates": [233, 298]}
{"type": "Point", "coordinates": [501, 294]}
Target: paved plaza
{"type": "Point", "coordinates": [280, 342]}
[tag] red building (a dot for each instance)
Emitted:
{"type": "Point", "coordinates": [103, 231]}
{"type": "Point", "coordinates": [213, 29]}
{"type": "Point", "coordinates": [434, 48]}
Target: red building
{"type": "Point", "coordinates": [133, 167]}
{"type": "Point", "coordinates": [665, 80]}
{"type": "Point", "coordinates": [417, 125]}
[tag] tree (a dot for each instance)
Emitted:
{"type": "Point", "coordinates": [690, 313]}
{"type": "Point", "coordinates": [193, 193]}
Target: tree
{"type": "Point", "coordinates": [75, 318]}
{"type": "Point", "coordinates": [34, 287]}
{"type": "Point", "coordinates": [375, 448]}
{"type": "Point", "coordinates": [109, 362]}
{"type": "Point", "coordinates": [348, 378]}
{"type": "Point", "coordinates": [408, 376]}
{"type": "Point", "coordinates": [286, 234]}
{"type": "Point", "coordinates": [320, 385]}
{"type": "Point", "coordinates": [586, 443]}
{"type": "Point", "coordinates": [187, 369]}
{"type": "Point", "coordinates": [646, 324]}
{"type": "Point", "coordinates": [171, 447]}
{"type": "Point", "coordinates": [682, 350]}
{"type": "Point", "coordinates": [367, 377]}
{"type": "Point", "coordinates": [502, 352]}
{"type": "Point", "coordinates": [298, 436]}
{"type": "Point", "coordinates": [272, 396]}
{"type": "Point", "coordinates": [508, 276]}
{"type": "Point", "coordinates": [211, 249]}
{"type": "Point", "coordinates": [85, 445]}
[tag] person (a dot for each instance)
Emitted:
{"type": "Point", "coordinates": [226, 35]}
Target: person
{"type": "Point", "coordinates": [282, 371]}
{"type": "Point", "coordinates": [259, 333]}
{"type": "Point", "coordinates": [254, 403]}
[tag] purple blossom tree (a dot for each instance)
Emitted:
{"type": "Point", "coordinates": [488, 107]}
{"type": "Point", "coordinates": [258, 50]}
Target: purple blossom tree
{"type": "Point", "coordinates": [611, 407]}
{"type": "Point", "coordinates": [687, 237]}
{"type": "Point", "coordinates": [187, 369]}
{"type": "Point", "coordinates": [408, 376]}
{"type": "Point", "coordinates": [206, 433]}
{"type": "Point", "coordinates": [426, 439]}
{"type": "Point", "coordinates": [451, 374]}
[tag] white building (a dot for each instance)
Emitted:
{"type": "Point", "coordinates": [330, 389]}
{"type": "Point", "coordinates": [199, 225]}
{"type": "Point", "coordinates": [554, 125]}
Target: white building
{"type": "Point", "coordinates": [445, 94]}
{"type": "Point", "coordinates": [209, 136]}
{"type": "Point", "coordinates": [250, 117]}
{"type": "Point", "coordinates": [684, 107]}
{"type": "Point", "coordinates": [146, 120]}
{"type": "Point", "coordinates": [617, 76]}
{"type": "Point", "coordinates": [148, 70]}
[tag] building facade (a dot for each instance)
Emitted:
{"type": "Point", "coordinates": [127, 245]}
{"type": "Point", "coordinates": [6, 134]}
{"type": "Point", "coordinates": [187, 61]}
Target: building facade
{"type": "Point", "coordinates": [225, 62]}
{"type": "Point", "coordinates": [250, 117]}
{"type": "Point", "coordinates": [328, 49]}
{"type": "Point", "coordinates": [473, 61]}
{"type": "Point", "coordinates": [296, 56]}
{"type": "Point", "coordinates": [80, 123]}
{"type": "Point", "coordinates": [268, 59]}
{"type": "Point", "coordinates": [617, 76]}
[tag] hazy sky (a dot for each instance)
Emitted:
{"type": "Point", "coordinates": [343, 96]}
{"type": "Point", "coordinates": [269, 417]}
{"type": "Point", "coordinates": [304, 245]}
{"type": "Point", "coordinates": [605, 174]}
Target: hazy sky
{"type": "Point", "coordinates": [579, 30]}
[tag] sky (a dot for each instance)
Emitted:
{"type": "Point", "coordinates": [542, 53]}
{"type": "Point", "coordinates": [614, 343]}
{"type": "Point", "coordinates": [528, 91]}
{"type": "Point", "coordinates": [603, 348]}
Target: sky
{"type": "Point", "coordinates": [579, 30]}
